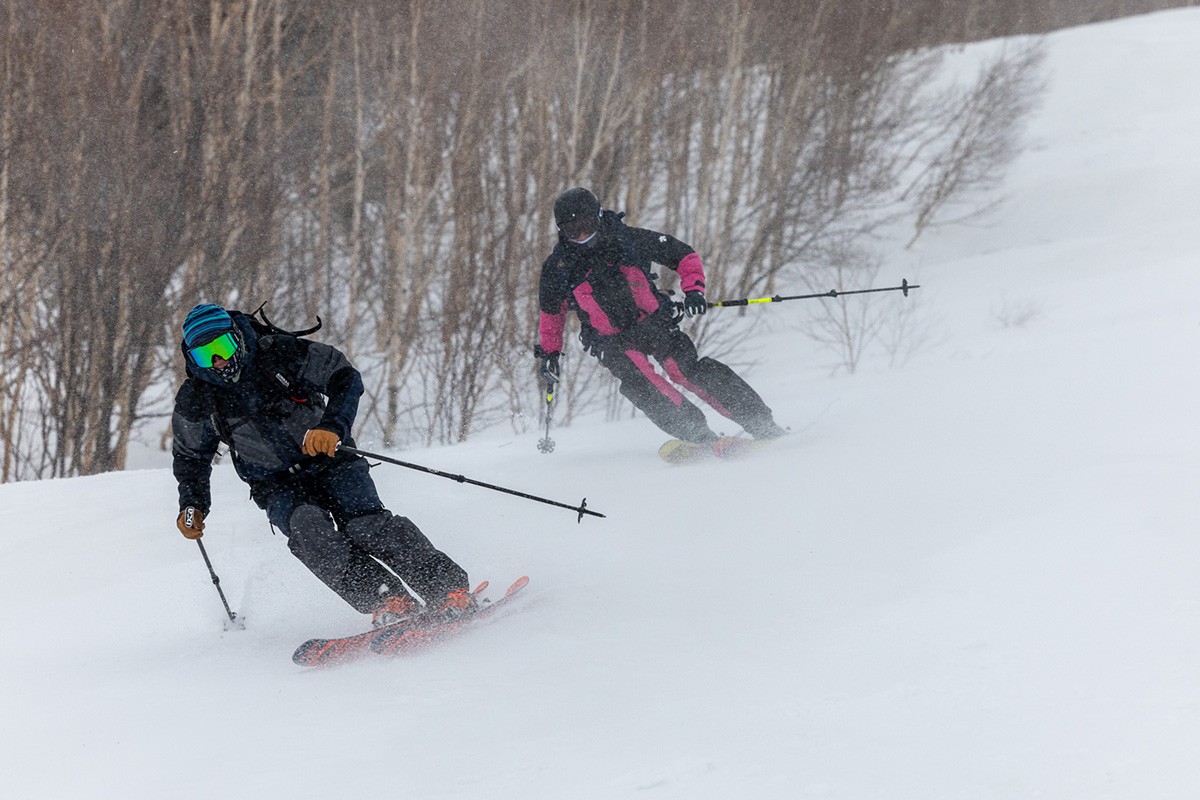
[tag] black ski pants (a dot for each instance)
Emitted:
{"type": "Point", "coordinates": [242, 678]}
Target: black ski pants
{"type": "Point", "coordinates": [627, 355]}
{"type": "Point", "coordinates": [338, 528]}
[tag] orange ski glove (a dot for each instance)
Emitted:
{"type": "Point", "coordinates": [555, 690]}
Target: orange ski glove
{"type": "Point", "coordinates": [319, 440]}
{"type": "Point", "coordinates": [191, 522]}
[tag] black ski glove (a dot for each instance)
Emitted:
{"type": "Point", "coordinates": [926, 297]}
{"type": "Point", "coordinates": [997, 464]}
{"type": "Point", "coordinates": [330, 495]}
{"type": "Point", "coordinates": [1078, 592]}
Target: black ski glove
{"type": "Point", "coordinates": [550, 370]}
{"type": "Point", "coordinates": [694, 303]}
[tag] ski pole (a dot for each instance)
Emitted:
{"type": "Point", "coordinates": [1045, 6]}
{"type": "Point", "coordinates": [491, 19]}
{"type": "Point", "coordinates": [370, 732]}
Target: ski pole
{"type": "Point", "coordinates": [235, 622]}
{"type": "Point", "coordinates": [904, 287]}
{"type": "Point", "coordinates": [581, 508]}
{"type": "Point", "coordinates": [546, 444]}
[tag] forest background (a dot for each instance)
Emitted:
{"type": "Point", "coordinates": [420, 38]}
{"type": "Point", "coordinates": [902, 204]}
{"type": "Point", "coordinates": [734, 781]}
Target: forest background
{"type": "Point", "coordinates": [391, 167]}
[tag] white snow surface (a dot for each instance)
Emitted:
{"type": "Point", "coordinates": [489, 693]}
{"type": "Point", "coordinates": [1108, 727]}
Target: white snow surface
{"type": "Point", "coordinates": [973, 576]}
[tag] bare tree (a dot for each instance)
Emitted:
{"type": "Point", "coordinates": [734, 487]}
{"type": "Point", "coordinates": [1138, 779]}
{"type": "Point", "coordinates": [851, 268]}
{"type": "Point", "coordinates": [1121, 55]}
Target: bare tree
{"type": "Point", "coordinates": [391, 166]}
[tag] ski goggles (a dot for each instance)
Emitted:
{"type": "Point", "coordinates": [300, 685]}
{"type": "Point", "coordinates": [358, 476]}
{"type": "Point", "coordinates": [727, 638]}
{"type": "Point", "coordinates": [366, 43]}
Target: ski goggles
{"type": "Point", "coordinates": [580, 228]}
{"type": "Point", "coordinates": [224, 346]}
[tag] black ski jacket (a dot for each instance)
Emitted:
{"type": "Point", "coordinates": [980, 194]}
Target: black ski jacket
{"type": "Point", "coordinates": [287, 387]}
{"type": "Point", "coordinates": [608, 281]}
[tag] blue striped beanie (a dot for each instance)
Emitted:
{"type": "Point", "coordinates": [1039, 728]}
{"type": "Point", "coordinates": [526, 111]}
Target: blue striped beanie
{"type": "Point", "coordinates": [204, 323]}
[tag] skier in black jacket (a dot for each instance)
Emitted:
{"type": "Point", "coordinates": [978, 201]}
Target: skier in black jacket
{"type": "Point", "coordinates": [283, 405]}
{"type": "Point", "coordinates": [600, 268]}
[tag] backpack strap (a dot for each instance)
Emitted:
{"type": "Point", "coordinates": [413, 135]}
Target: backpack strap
{"type": "Point", "coordinates": [266, 327]}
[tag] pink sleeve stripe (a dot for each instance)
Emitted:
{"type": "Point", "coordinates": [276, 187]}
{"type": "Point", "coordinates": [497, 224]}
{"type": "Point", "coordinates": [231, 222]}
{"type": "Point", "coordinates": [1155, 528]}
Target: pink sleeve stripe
{"type": "Point", "coordinates": [691, 273]}
{"type": "Point", "coordinates": [550, 330]}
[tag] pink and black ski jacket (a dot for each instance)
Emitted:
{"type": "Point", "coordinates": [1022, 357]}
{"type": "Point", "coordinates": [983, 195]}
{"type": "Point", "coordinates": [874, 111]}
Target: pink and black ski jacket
{"type": "Point", "coordinates": [608, 282]}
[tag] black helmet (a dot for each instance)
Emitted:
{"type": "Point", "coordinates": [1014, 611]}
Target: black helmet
{"type": "Point", "coordinates": [577, 213]}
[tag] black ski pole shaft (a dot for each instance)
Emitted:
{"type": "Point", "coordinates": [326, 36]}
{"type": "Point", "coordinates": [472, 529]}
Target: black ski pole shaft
{"type": "Point", "coordinates": [904, 287]}
{"type": "Point", "coordinates": [581, 509]}
{"type": "Point", "coordinates": [216, 581]}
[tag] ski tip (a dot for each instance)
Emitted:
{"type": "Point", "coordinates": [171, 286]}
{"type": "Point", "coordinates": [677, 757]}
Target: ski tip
{"type": "Point", "coordinates": [677, 451]}
{"type": "Point", "coordinates": [519, 583]}
{"type": "Point", "coordinates": [309, 653]}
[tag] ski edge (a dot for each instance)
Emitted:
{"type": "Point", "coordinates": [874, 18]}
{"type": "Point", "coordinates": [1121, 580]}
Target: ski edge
{"type": "Point", "coordinates": [395, 643]}
{"type": "Point", "coordinates": [326, 652]}
{"type": "Point", "coordinates": [726, 448]}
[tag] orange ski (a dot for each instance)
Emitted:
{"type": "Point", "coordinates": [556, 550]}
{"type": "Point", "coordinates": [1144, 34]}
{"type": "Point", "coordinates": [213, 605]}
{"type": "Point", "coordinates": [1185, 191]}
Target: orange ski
{"type": "Point", "coordinates": [326, 652]}
{"type": "Point", "coordinates": [392, 642]}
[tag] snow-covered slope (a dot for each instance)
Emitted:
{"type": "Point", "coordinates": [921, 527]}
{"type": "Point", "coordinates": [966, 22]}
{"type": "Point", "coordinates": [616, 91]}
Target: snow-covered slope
{"type": "Point", "coordinates": [973, 577]}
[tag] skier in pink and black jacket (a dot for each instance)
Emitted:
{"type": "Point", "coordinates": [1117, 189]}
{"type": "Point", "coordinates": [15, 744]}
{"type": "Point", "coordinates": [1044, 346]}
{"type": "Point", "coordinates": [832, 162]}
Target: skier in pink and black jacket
{"type": "Point", "coordinates": [600, 268]}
